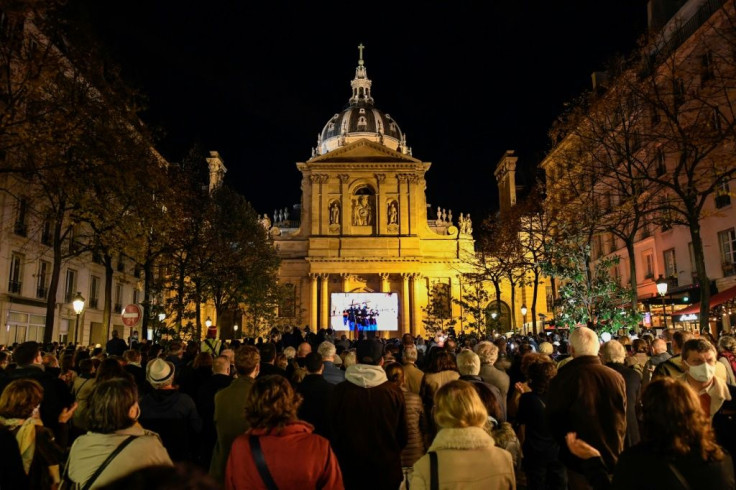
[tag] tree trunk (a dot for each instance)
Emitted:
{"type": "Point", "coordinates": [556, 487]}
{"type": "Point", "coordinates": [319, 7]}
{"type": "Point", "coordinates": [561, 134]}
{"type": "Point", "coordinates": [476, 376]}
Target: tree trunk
{"type": "Point", "coordinates": [107, 309]}
{"type": "Point", "coordinates": [699, 258]}
{"type": "Point", "coordinates": [535, 291]}
{"type": "Point", "coordinates": [146, 303]}
{"type": "Point", "coordinates": [48, 330]}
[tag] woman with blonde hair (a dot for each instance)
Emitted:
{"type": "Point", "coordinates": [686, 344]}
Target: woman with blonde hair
{"type": "Point", "coordinates": [279, 450]}
{"type": "Point", "coordinates": [464, 454]}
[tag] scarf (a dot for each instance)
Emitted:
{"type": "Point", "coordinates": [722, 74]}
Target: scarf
{"type": "Point", "coordinates": [25, 436]}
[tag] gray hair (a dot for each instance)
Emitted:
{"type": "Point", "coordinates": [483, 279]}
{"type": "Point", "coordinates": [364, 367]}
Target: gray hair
{"type": "Point", "coordinates": [727, 343]}
{"type": "Point", "coordinates": [613, 351]}
{"type": "Point", "coordinates": [584, 342]}
{"type": "Point", "coordinates": [290, 352]}
{"type": "Point", "coordinates": [468, 363]}
{"type": "Point", "coordinates": [410, 353]}
{"type": "Point", "coordinates": [327, 350]}
{"type": "Point", "coordinates": [487, 351]}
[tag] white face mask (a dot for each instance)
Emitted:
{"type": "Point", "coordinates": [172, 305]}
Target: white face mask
{"type": "Point", "coordinates": [702, 373]}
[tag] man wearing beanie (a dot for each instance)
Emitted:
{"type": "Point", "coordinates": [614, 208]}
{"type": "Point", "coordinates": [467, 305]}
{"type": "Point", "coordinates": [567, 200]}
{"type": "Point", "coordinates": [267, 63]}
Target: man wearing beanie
{"type": "Point", "coordinates": [368, 417]}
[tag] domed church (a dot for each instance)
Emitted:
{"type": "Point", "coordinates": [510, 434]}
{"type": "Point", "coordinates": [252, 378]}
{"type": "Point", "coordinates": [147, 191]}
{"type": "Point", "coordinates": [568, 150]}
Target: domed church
{"type": "Point", "coordinates": [359, 252]}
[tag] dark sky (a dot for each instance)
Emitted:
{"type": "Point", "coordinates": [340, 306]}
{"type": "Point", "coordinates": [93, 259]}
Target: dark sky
{"type": "Point", "coordinates": [465, 80]}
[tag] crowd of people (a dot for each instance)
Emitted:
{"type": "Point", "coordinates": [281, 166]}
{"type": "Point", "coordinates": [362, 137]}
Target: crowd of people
{"type": "Point", "coordinates": [306, 409]}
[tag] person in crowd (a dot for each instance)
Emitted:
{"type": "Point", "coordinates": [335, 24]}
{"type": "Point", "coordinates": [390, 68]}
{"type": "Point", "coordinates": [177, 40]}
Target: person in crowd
{"type": "Point", "coordinates": [205, 402]}
{"type": "Point", "coordinates": [67, 373]}
{"type": "Point", "coordinates": [268, 360]}
{"type": "Point", "coordinates": [109, 368]}
{"type": "Point", "coordinates": [51, 364]}
{"type": "Point", "coordinates": [112, 419]}
{"type": "Point", "coordinates": [229, 417]}
{"type": "Point", "coordinates": [412, 374]}
{"type": "Point", "coordinates": [673, 365]}
{"type": "Point", "coordinates": [522, 386]}
{"type": "Point", "coordinates": [175, 354]}
{"type": "Point", "coordinates": [332, 373]}
{"type": "Point", "coordinates": [41, 456]}
{"type": "Point", "coordinates": [678, 449]}
{"type": "Point", "coordinates": [170, 413]}
{"type": "Point", "coordinates": [368, 421]}
{"type": "Point", "coordinates": [699, 362]}
{"type": "Point", "coordinates": [488, 353]}
{"type": "Point", "coordinates": [349, 359]}
{"type": "Point", "coordinates": [659, 355]}
{"type": "Point", "coordinates": [727, 357]}
{"type": "Point", "coordinates": [295, 458]}
{"type": "Point", "coordinates": [442, 368]}
{"type": "Point", "coordinates": [466, 454]}
{"type": "Point", "coordinates": [639, 356]}
{"type": "Point", "coordinates": [541, 462]}
{"type": "Point", "coordinates": [604, 395]}
{"type": "Point", "coordinates": [416, 420]}
{"type": "Point", "coordinates": [115, 346]}
{"type": "Point", "coordinates": [546, 348]}
{"type": "Point", "coordinates": [296, 365]}
{"type": "Point", "coordinates": [133, 366]}
{"type": "Point", "coordinates": [195, 373]}
{"type": "Point", "coordinates": [469, 365]}
{"type": "Point", "coordinates": [315, 391]}
{"type": "Point", "coordinates": [58, 403]}
{"type": "Point", "coordinates": [613, 355]}
{"type": "Point", "coordinates": [515, 373]}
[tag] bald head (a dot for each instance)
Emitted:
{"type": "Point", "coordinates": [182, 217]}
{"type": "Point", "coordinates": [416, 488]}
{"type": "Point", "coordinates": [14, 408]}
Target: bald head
{"type": "Point", "coordinates": [659, 346]}
{"type": "Point", "coordinates": [304, 349]}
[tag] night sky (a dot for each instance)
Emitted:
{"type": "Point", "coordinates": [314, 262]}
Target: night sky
{"type": "Point", "coordinates": [465, 80]}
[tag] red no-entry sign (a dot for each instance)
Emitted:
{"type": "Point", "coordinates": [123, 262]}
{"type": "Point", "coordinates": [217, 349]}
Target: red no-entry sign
{"type": "Point", "coordinates": [132, 315]}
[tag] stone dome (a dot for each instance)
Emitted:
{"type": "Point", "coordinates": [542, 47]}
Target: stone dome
{"type": "Point", "coordinates": [361, 120]}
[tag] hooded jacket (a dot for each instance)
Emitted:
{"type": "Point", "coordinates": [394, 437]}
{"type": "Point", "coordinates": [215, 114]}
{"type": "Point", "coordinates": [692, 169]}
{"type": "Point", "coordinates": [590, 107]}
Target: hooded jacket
{"type": "Point", "coordinates": [368, 417]}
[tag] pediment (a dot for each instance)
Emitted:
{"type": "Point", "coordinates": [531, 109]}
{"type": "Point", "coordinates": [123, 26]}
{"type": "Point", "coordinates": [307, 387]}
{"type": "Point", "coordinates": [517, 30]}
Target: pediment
{"type": "Point", "coordinates": [364, 151]}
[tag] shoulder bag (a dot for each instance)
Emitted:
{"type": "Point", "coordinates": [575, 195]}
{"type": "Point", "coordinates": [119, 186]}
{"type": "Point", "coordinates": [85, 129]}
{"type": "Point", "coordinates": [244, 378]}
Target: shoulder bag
{"type": "Point", "coordinates": [67, 483]}
{"type": "Point", "coordinates": [255, 449]}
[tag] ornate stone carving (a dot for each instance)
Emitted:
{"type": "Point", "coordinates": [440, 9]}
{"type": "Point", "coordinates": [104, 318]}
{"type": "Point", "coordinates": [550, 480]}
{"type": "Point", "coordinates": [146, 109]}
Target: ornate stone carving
{"type": "Point", "coordinates": [343, 178]}
{"type": "Point", "coordinates": [380, 178]}
{"type": "Point", "coordinates": [334, 213]}
{"type": "Point", "coordinates": [401, 177]}
{"type": "Point", "coordinates": [319, 178]}
{"type": "Point", "coordinates": [384, 276]}
{"type": "Point", "coordinates": [363, 210]}
{"type": "Point", "coordinates": [392, 214]}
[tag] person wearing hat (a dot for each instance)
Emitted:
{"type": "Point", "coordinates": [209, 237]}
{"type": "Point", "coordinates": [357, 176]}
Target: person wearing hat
{"type": "Point", "coordinates": [170, 413]}
{"type": "Point", "coordinates": [368, 421]}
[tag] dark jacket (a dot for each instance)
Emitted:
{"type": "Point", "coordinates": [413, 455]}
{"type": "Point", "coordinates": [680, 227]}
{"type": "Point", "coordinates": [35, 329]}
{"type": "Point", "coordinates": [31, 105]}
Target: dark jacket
{"type": "Point", "coordinates": [642, 467]}
{"type": "Point", "coordinates": [316, 392]}
{"type": "Point", "coordinates": [332, 373]}
{"type": "Point", "coordinates": [173, 416]}
{"type": "Point", "coordinates": [368, 428]}
{"type": "Point", "coordinates": [268, 369]}
{"type": "Point", "coordinates": [633, 392]}
{"type": "Point", "coordinates": [115, 347]}
{"type": "Point", "coordinates": [139, 375]}
{"type": "Point", "coordinates": [56, 397]}
{"type": "Point", "coordinates": [205, 402]}
{"type": "Point", "coordinates": [12, 474]}
{"type": "Point", "coordinates": [588, 398]}
{"type": "Point", "coordinates": [492, 389]}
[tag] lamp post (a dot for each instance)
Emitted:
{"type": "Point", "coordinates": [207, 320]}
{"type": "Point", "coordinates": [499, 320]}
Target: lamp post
{"type": "Point", "coordinates": [662, 290]}
{"type": "Point", "coordinates": [523, 314]}
{"type": "Point", "coordinates": [161, 318]}
{"type": "Point", "coordinates": [208, 322]}
{"type": "Point", "coordinates": [235, 328]}
{"type": "Point", "coordinates": [78, 305]}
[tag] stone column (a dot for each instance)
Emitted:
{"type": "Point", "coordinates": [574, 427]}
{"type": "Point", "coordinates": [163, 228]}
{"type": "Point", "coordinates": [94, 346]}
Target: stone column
{"type": "Point", "coordinates": [313, 303]}
{"type": "Point", "coordinates": [405, 311]}
{"type": "Point", "coordinates": [325, 303]}
{"type": "Point", "coordinates": [416, 311]}
{"type": "Point", "coordinates": [385, 286]}
{"type": "Point", "coordinates": [380, 225]}
{"type": "Point", "coordinates": [345, 202]}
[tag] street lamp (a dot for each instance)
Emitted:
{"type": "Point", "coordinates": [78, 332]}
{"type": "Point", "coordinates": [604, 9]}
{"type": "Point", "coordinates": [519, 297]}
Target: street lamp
{"type": "Point", "coordinates": [78, 305]}
{"type": "Point", "coordinates": [662, 290]}
{"type": "Point", "coordinates": [208, 322]}
{"type": "Point", "coordinates": [523, 314]}
{"type": "Point", "coordinates": [235, 328]}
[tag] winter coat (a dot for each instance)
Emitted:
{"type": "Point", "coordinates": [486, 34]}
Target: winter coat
{"type": "Point", "coordinates": [467, 459]}
{"type": "Point", "coordinates": [588, 398]}
{"type": "Point", "coordinates": [332, 373]}
{"type": "Point", "coordinates": [413, 377]}
{"type": "Point", "coordinates": [296, 459]}
{"type": "Point", "coordinates": [368, 428]}
{"type": "Point", "coordinates": [229, 421]}
{"type": "Point", "coordinates": [416, 425]}
{"type": "Point", "coordinates": [495, 377]}
{"type": "Point", "coordinates": [173, 416]}
{"type": "Point", "coordinates": [316, 392]}
{"type": "Point", "coordinates": [89, 451]}
{"type": "Point", "coordinates": [633, 391]}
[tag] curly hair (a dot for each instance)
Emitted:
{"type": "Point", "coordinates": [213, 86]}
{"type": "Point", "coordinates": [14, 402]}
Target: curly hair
{"type": "Point", "coordinates": [674, 419]}
{"type": "Point", "coordinates": [540, 373]}
{"type": "Point", "coordinates": [272, 403]}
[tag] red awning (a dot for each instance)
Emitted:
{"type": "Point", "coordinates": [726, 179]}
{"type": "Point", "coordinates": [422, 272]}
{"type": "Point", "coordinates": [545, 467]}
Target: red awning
{"type": "Point", "coordinates": [715, 300]}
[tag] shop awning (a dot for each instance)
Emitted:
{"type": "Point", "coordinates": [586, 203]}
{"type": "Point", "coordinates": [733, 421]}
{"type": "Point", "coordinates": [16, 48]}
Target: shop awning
{"type": "Point", "coordinates": [715, 300]}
